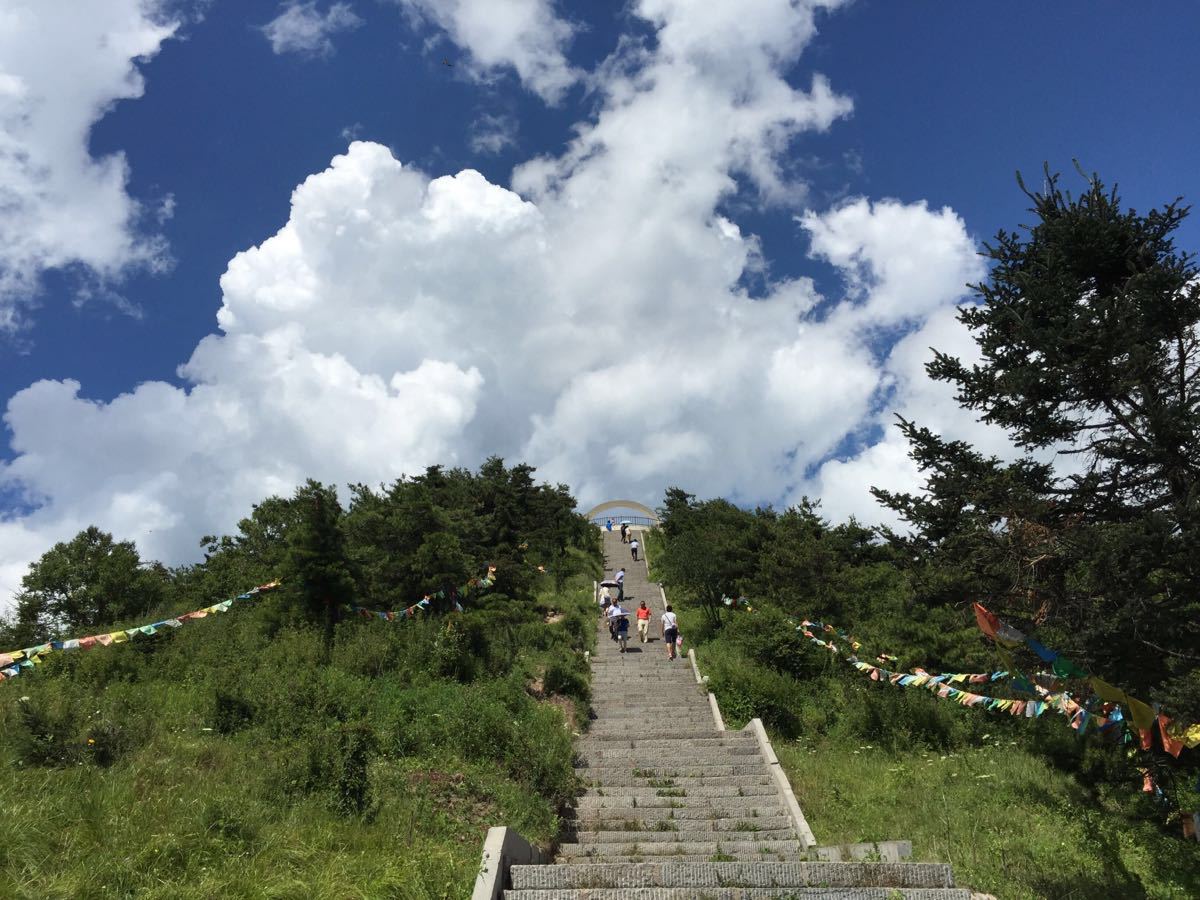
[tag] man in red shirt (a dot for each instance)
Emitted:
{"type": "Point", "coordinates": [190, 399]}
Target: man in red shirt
{"type": "Point", "coordinates": [643, 621]}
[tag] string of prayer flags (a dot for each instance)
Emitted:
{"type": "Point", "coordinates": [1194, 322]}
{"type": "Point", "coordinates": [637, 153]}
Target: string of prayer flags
{"type": "Point", "coordinates": [392, 615]}
{"type": "Point", "coordinates": [14, 662]}
{"type": "Point", "coordinates": [941, 687]}
{"type": "Point", "coordinates": [806, 625]}
{"type": "Point", "coordinates": [1142, 715]}
{"type": "Point", "coordinates": [422, 605]}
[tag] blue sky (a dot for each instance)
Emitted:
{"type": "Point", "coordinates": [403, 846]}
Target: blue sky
{"type": "Point", "coordinates": [948, 101]}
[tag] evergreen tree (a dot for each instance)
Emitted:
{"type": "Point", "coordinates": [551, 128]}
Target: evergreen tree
{"type": "Point", "coordinates": [317, 571]}
{"type": "Point", "coordinates": [1089, 331]}
{"type": "Point", "coordinates": [712, 549]}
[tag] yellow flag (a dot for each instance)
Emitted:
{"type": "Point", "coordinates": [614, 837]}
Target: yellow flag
{"type": "Point", "coordinates": [1143, 715]}
{"type": "Point", "coordinates": [1108, 692]}
{"type": "Point", "coordinates": [119, 637]}
{"type": "Point", "coordinates": [1189, 735]}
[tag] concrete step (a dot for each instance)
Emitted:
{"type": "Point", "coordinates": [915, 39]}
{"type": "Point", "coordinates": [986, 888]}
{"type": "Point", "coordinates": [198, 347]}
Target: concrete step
{"type": "Point", "coordinates": [641, 818]}
{"type": "Point", "coordinates": [688, 893]}
{"type": "Point", "coordinates": [663, 713]}
{"type": "Point", "coordinates": [689, 819]}
{"type": "Point", "coordinates": [730, 805]}
{"type": "Point", "coordinates": [641, 698]}
{"type": "Point", "coordinates": [650, 729]}
{"type": "Point", "coordinates": [611, 768]}
{"type": "Point", "coordinates": [691, 704]}
{"type": "Point", "coordinates": [871, 851]}
{"type": "Point", "coordinates": [652, 656]}
{"type": "Point", "coordinates": [602, 852]}
{"type": "Point", "coordinates": [683, 719]}
{"type": "Point", "coordinates": [684, 835]}
{"type": "Point", "coordinates": [671, 737]}
{"type": "Point", "coordinates": [648, 689]}
{"type": "Point", "coordinates": [723, 856]}
{"type": "Point", "coordinates": [680, 791]}
{"type": "Point", "coordinates": [684, 757]}
{"type": "Point", "coordinates": [715, 741]}
{"type": "Point", "coordinates": [626, 781]}
{"type": "Point", "coordinates": [745, 875]}
{"type": "Point", "coordinates": [666, 727]}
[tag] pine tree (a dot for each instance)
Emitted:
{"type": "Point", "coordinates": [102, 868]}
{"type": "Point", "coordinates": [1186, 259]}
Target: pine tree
{"type": "Point", "coordinates": [318, 573]}
{"type": "Point", "coordinates": [1089, 330]}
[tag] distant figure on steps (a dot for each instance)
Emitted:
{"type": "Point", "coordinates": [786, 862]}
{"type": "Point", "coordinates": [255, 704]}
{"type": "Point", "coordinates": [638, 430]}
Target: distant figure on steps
{"type": "Point", "coordinates": [605, 601]}
{"type": "Point", "coordinates": [634, 546]}
{"type": "Point", "coordinates": [608, 525]}
{"type": "Point", "coordinates": [618, 619]}
{"type": "Point", "coordinates": [620, 579]}
{"type": "Point", "coordinates": [643, 619]}
{"type": "Point", "coordinates": [624, 532]}
{"type": "Point", "coordinates": [670, 630]}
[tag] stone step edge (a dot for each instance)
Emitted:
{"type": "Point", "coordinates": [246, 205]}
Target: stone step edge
{"type": "Point", "coordinates": [600, 838]}
{"type": "Point", "coordinates": [658, 893]}
{"type": "Point", "coordinates": [721, 874]}
{"type": "Point", "coordinates": [673, 848]}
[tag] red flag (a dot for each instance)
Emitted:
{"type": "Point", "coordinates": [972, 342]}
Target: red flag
{"type": "Point", "coordinates": [1147, 737]}
{"type": "Point", "coordinates": [988, 623]}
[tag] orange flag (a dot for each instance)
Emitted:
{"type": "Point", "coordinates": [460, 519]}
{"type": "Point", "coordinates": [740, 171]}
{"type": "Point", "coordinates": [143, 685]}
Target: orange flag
{"type": "Point", "coordinates": [1171, 745]}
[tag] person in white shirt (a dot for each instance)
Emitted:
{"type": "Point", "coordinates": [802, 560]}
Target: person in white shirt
{"type": "Point", "coordinates": [620, 579]}
{"type": "Point", "coordinates": [618, 624]}
{"type": "Point", "coordinates": [633, 547]}
{"type": "Point", "coordinates": [670, 630]}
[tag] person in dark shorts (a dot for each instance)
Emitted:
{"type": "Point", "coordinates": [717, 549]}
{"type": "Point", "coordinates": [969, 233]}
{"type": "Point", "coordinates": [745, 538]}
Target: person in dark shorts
{"type": "Point", "coordinates": [670, 630]}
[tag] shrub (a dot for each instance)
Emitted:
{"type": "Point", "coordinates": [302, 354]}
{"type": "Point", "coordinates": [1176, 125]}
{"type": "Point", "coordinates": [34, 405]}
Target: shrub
{"type": "Point", "coordinates": [748, 690]}
{"type": "Point", "coordinates": [351, 775]}
{"type": "Point", "coordinates": [230, 712]}
{"type": "Point", "coordinates": [568, 677]}
{"type": "Point", "coordinates": [768, 637]}
{"type": "Point", "coordinates": [46, 732]}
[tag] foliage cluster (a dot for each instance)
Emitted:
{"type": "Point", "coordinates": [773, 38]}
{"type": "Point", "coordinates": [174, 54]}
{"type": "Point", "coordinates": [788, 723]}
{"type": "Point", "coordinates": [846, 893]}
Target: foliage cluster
{"type": "Point", "coordinates": [284, 749]}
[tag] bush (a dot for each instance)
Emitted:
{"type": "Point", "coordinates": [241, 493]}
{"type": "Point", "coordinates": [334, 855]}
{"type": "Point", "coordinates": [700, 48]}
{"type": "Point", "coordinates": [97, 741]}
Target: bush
{"type": "Point", "coordinates": [47, 731]}
{"type": "Point", "coordinates": [230, 712]}
{"type": "Point", "coordinates": [768, 637]}
{"type": "Point", "coordinates": [570, 678]}
{"type": "Point", "coordinates": [351, 776]}
{"type": "Point", "coordinates": [748, 690]}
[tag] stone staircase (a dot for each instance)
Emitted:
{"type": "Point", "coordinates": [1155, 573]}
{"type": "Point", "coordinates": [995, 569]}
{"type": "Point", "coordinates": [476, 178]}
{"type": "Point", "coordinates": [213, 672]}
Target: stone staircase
{"type": "Point", "coordinates": [675, 807]}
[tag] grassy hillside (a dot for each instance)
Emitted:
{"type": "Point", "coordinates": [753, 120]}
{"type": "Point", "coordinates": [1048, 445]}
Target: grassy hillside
{"type": "Point", "coordinates": [1011, 823]}
{"type": "Point", "coordinates": [256, 754]}
{"type": "Point", "coordinates": [225, 760]}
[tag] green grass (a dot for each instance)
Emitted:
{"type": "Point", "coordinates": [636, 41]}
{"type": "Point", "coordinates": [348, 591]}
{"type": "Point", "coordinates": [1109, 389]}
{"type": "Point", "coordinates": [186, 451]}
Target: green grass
{"type": "Point", "coordinates": [1008, 822]}
{"type": "Point", "coordinates": [138, 780]}
{"type": "Point", "coordinates": [187, 819]}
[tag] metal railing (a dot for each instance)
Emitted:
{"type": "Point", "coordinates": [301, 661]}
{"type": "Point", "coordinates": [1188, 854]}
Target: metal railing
{"type": "Point", "coordinates": [617, 520]}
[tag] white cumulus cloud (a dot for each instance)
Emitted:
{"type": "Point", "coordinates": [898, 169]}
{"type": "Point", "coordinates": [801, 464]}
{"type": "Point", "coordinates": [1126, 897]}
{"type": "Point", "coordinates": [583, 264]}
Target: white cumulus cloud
{"type": "Point", "coordinates": [524, 35]}
{"type": "Point", "coordinates": [302, 28]}
{"type": "Point", "coordinates": [491, 133]}
{"type": "Point", "coordinates": [588, 319]}
{"type": "Point", "coordinates": [63, 64]}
